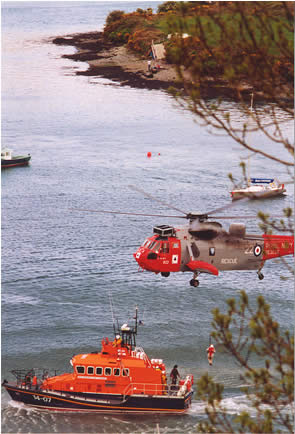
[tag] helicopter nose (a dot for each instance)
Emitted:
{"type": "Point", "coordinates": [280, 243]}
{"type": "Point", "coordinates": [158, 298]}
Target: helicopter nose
{"type": "Point", "coordinates": [139, 256]}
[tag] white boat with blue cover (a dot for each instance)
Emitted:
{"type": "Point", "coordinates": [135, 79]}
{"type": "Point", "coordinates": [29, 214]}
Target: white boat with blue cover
{"type": "Point", "coordinates": [259, 188]}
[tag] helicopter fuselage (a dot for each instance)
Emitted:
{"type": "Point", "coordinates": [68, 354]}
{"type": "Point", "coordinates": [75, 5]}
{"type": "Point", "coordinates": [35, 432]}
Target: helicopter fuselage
{"type": "Point", "coordinates": [209, 249]}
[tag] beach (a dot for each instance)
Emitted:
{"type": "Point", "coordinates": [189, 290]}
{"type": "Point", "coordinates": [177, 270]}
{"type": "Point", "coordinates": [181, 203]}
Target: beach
{"type": "Point", "coordinates": [116, 63]}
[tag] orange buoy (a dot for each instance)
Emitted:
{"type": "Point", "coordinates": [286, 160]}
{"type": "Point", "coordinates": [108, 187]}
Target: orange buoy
{"type": "Point", "coordinates": [149, 154]}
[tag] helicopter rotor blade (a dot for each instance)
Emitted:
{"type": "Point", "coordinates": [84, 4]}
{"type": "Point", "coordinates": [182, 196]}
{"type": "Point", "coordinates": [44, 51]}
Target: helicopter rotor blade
{"type": "Point", "coordinates": [126, 213]}
{"type": "Point", "coordinates": [229, 205]}
{"type": "Point", "coordinates": [243, 217]}
{"type": "Point", "coordinates": [133, 187]}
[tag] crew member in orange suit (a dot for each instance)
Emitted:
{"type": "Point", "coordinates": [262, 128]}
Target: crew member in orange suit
{"type": "Point", "coordinates": [210, 353]}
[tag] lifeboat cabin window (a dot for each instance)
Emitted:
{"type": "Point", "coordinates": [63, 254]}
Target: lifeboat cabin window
{"type": "Point", "coordinates": [125, 372]}
{"type": "Point", "coordinates": [107, 371]}
{"type": "Point", "coordinates": [98, 371]}
{"type": "Point", "coordinates": [116, 372]}
{"type": "Point", "coordinates": [80, 369]}
{"type": "Point", "coordinates": [90, 370]}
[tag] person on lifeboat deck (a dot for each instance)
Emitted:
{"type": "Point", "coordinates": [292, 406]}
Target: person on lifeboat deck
{"type": "Point", "coordinates": [117, 341]}
{"type": "Point", "coordinates": [174, 374]}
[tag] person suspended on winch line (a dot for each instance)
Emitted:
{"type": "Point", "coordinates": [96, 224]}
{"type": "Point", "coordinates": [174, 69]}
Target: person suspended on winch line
{"type": "Point", "coordinates": [210, 352]}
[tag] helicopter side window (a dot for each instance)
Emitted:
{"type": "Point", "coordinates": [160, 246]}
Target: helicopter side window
{"type": "Point", "coordinates": [195, 250]}
{"type": "Point", "coordinates": [165, 247]}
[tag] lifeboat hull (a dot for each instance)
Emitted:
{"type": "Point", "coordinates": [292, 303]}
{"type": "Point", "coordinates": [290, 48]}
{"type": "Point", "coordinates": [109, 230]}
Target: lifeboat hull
{"type": "Point", "coordinates": [106, 403]}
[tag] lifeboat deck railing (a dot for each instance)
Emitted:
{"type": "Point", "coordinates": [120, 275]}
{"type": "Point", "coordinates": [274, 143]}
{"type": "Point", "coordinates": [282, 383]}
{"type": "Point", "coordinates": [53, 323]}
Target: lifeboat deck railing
{"type": "Point", "coordinates": [139, 352]}
{"type": "Point", "coordinates": [152, 389]}
{"type": "Point", "coordinates": [24, 377]}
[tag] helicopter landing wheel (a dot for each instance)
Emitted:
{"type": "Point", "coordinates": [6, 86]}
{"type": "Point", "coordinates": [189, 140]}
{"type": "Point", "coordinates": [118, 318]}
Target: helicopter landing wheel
{"type": "Point", "coordinates": [194, 282]}
{"type": "Point", "coordinates": [260, 276]}
{"type": "Point", "coordinates": [165, 273]}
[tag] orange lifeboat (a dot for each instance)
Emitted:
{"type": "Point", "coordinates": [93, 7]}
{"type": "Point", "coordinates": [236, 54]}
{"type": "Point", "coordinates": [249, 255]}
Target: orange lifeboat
{"type": "Point", "coordinates": [119, 378]}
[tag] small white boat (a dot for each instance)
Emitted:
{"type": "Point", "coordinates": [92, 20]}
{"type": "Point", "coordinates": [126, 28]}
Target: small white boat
{"type": "Point", "coordinates": [10, 160]}
{"type": "Point", "coordinates": [259, 188]}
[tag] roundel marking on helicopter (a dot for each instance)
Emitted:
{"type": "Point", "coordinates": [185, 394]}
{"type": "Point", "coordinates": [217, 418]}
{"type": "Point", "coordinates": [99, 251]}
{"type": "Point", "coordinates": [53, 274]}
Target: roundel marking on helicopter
{"type": "Point", "coordinates": [257, 250]}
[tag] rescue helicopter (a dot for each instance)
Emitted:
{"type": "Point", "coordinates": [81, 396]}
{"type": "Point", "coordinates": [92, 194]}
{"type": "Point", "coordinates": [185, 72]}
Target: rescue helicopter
{"type": "Point", "coordinates": [204, 245]}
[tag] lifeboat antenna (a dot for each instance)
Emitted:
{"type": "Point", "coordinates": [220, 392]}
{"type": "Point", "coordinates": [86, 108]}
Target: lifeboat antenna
{"type": "Point", "coordinates": [136, 312]}
{"type": "Point", "coordinates": [112, 310]}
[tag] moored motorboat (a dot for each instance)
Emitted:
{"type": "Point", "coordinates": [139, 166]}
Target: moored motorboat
{"type": "Point", "coordinates": [120, 378]}
{"type": "Point", "coordinates": [9, 160]}
{"type": "Point", "coordinates": [259, 188]}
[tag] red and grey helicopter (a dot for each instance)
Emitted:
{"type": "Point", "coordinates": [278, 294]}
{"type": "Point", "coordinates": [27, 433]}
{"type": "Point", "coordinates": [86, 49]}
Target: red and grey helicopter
{"type": "Point", "coordinates": [204, 246]}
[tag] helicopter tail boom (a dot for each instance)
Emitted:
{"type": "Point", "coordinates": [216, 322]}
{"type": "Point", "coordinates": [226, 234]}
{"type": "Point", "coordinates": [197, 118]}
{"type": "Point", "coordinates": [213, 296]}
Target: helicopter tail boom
{"type": "Point", "coordinates": [277, 245]}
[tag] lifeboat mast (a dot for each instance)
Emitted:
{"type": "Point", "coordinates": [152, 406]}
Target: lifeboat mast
{"type": "Point", "coordinates": [128, 333]}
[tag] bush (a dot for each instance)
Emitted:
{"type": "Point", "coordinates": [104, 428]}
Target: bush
{"type": "Point", "coordinates": [114, 16]}
{"type": "Point", "coordinates": [167, 6]}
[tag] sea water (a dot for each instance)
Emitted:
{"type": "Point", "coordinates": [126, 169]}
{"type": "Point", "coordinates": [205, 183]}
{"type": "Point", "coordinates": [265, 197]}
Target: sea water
{"type": "Point", "coordinates": [89, 138]}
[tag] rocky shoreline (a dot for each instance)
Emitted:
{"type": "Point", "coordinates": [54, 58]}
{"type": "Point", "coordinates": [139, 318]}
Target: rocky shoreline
{"type": "Point", "coordinates": [118, 64]}
{"type": "Point", "coordinates": [115, 62]}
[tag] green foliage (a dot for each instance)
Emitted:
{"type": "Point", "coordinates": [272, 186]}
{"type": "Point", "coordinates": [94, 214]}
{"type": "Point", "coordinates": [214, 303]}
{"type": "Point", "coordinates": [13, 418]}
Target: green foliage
{"type": "Point", "coordinates": [246, 49]}
{"type": "Point", "coordinates": [167, 7]}
{"type": "Point", "coordinates": [245, 331]}
{"type": "Point", "coordinates": [235, 45]}
{"type": "Point", "coordinates": [137, 30]}
{"type": "Point", "coordinates": [114, 16]}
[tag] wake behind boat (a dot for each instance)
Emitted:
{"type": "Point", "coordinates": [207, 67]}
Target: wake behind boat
{"type": "Point", "coordinates": [9, 160]}
{"type": "Point", "coordinates": [120, 378]}
{"type": "Point", "coordinates": [259, 188]}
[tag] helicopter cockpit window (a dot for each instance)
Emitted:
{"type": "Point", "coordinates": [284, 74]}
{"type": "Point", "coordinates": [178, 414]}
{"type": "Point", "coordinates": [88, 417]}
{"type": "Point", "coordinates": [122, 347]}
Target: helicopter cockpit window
{"type": "Point", "coordinates": [156, 247]}
{"type": "Point", "coordinates": [146, 243]}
